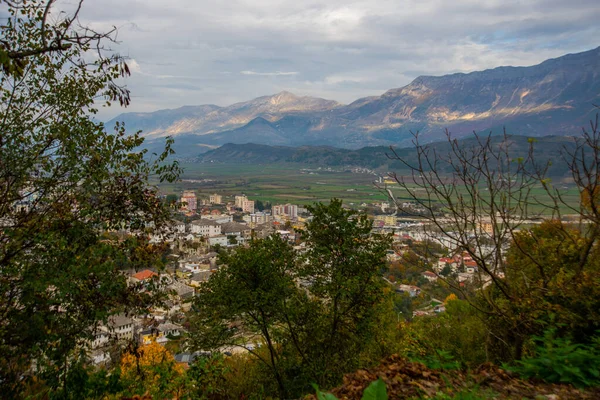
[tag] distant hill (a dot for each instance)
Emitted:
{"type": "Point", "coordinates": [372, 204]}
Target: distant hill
{"type": "Point", "coordinates": [556, 97]}
{"type": "Point", "coordinates": [550, 148]}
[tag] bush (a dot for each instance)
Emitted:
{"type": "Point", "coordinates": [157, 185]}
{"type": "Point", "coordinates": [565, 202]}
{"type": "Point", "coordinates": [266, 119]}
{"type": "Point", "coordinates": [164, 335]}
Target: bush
{"type": "Point", "coordinates": [456, 337]}
{"type": "Point", "coordinates": [558, 360]}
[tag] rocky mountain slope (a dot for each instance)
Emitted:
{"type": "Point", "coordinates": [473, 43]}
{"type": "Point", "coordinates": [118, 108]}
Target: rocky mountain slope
{"type": "Point", "coordinates": [556, 97]}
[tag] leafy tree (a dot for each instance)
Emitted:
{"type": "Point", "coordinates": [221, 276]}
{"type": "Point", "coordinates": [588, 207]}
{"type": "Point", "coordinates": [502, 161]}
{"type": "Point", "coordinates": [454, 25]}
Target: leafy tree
{"type": "Point", "coordinates": [343, 266]}
{"type": "Point", "coordinates": [259, 205]}
{"type": "Point", "coordinates": [245, 299]}
{"type": "Point", "coordinates": [480, 200]}
{"type": "Point", "coordinates": [172, 198]}
{"type": "Point", "coordinates": [75, 198]}
{"type": "Point", "coordinates": [314, 314]}
{"type": "Point", "coordinates": [152, 369]}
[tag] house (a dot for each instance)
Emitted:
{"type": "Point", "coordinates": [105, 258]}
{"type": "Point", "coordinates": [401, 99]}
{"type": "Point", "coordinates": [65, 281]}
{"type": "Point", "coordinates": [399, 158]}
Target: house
{"type": "Point", "coordinates": [218, 217]}
{"type": "Point", "coordinates": [413, 291]}
{"type": "Point", "coordinates": [188, 358]}
{"type": "Point", "coordinates": [215, 198]}
{"type": "Point", "coordinates": [176, 226]}
{"type": "Point", "coordinates": [470, 267]}
{"type": "Point", "coordinates": [235, 229]}
{"type": "Point", "coordinates": [183, 291]}
{"type": "Point", "coordinates": [189, 201]}
{"type": "Point", "coordinates": [169, 329]}
{"type": "Point", "coordinates": [439, 308]}
{"type": "Point", "coordinates": [220, 240]}
{"type": "Point", "coordinates": [430, 276]}
{"type": "Point", "coordinates": [143, 276]}
{"type": "Point", "coordinates": [199, 277]}
{"type": "Point", "coordinates": [445, 261]}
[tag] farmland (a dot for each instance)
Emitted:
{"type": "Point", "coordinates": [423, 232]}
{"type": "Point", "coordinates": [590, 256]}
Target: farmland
{"type": "Point", "coordinates": [302, 184]}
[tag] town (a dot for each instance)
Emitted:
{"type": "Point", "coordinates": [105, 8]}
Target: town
{"type": "Point", "coordinates": [421, 263]}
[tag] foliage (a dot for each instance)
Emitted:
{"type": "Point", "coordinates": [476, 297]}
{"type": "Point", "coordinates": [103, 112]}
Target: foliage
{"type": "Point", "coordinates": [66, 182]}
{"type": "Point", "coordinates": [455, 338]}
{"type": "Point", "coordinates": [314, 313]}
{"type": "Point", "coordinates": [375, 391]}
{"type": "Point", "coordinates": [208, 375]}
{"type": "Point", "coordinates": [343, 265]}
{"type": "Point", "coordinates": [559, 360]}
{"type": "Point", "coordinates": [480, 198]}
{"type": "Point", "coordinates": [246, 298]}
{"type": "Point", "coordinates": [152, 369]}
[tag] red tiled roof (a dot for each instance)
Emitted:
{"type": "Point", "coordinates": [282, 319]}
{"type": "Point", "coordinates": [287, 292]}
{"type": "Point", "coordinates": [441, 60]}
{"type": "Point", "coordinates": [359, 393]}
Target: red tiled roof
{"type": "Point", "coordinates": [145, 274]}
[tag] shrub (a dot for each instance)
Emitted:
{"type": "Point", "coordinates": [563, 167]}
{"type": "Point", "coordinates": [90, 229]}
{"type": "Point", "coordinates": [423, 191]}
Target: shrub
{"type": "Point", "coordinates": [558, 360]}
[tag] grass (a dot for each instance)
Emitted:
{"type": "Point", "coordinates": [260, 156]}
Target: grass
{"type": "Point", "coordinates": [299, 184]}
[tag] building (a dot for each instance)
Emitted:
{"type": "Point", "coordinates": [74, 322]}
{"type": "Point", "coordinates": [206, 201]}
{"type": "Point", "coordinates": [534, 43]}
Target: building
{"type": "Point", "coordinates": [177, 226]}
{"type": "Point", "coordinates": [239, 201]}
{"type": "Point", "coordinates": [245, 204]}
{"type": "Point", "coordinates": [259, 218]}
{"type": "Point", "coordinates": [248, 206]}
{"type": "Point", "coordinates": [189, 200]}
{"type": "Point", "coordinates": [430, 276]}
{"type": "Point", "coordinates": [218, 218]}
{"type": "Point", "coordinates": [220, 240]}
{"type": "Point", "coordinates": [287, 210]}
{"type": "Point", "coordinates": [205, 227]}
{"type": "Point", "coordinates": [216, 199]}
{"type": "Point", "coordinates": [143, 276]}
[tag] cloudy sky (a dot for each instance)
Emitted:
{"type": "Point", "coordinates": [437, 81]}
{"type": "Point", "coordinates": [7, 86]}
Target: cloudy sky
{"type": "Point", "coordinates": [189, 52]}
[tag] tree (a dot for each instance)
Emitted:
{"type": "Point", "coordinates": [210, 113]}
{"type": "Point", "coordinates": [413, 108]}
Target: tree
{"type": "Point", "coordinates": [314, 313]}
{"type": "Point", "coordinates": [75, 198]}
{"type": "Point", "coordinates": [172, 198]}
{"type": "Point", "coordinates": [481, 199]}
{"type": "Point", "coordinates": [246, 299]}
{"type": "Point", "coordinates": [343, 264]}
{"type": "Point", "coordinates": [152, 369]}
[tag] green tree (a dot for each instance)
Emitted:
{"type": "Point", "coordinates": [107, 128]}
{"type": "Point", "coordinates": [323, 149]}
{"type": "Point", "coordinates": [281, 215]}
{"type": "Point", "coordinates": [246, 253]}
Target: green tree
{"type": "Point", "coordinates": [343, 267]}
{"type": "Point", "coordinates": [243, 302]}
{"type": "Point", "coordinates": [172, 198]}
{"type": "Point", "coordinates": [75, 198]}
{"type": "Point", "coordinates": [314, 313]}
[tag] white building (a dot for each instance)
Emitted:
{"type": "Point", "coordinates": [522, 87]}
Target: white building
{"type": "Point", "coordinates": [220, 240]}
{"type": "Point", "coordinates": [260, 218]}
{"type": "Point", "coordinates": [219, 219]}
{"type": "Point", "coordinates": [205, 227]}
{"type": "Point", "coordinates": [288, 210]}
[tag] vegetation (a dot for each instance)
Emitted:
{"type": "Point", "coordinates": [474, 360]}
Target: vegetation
{"type": "Point", "coordinates": [77, 206]}
{"type": "Point", "coordinates": [67, 187]}
{"type": "Point", "coordinates": [307, 317]}
{"type": "Point", "coordinates": [534, 278]}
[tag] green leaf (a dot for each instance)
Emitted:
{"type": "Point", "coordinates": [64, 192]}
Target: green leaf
{"type": "Point", "coordinates": [375, 391]}
{"type": "Point", "coordinates": [323, 395]}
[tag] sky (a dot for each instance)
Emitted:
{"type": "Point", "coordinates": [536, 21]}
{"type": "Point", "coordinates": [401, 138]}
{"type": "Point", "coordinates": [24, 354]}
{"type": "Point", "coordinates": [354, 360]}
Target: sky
{"type": "Point", "coordinates": [191, 52]}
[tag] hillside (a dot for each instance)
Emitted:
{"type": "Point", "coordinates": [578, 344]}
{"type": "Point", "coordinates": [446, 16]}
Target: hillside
{"type": "Point", "coordinates": [548, 148]}
{"type": "Point", "coordinates": [556, 97]}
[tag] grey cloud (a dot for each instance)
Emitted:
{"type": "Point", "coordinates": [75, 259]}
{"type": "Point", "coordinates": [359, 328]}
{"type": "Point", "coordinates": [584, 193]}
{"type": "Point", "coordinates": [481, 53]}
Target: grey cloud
{"type": "Point", "coordinates": [275, 73]}
{"type": "Point", "coordinates": [236, 50]}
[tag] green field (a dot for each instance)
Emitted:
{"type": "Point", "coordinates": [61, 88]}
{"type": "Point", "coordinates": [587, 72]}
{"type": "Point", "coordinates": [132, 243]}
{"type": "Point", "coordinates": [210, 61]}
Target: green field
{"type": "Point", "coordinates": [299, 184]}
{"type": "Point", "coordinates": [277, 183]}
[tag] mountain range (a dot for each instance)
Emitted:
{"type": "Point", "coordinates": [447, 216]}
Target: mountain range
{"type": "Point", "coordinates": [556, 97]}
{"type": "Point", "coordinates": [549, 150]}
